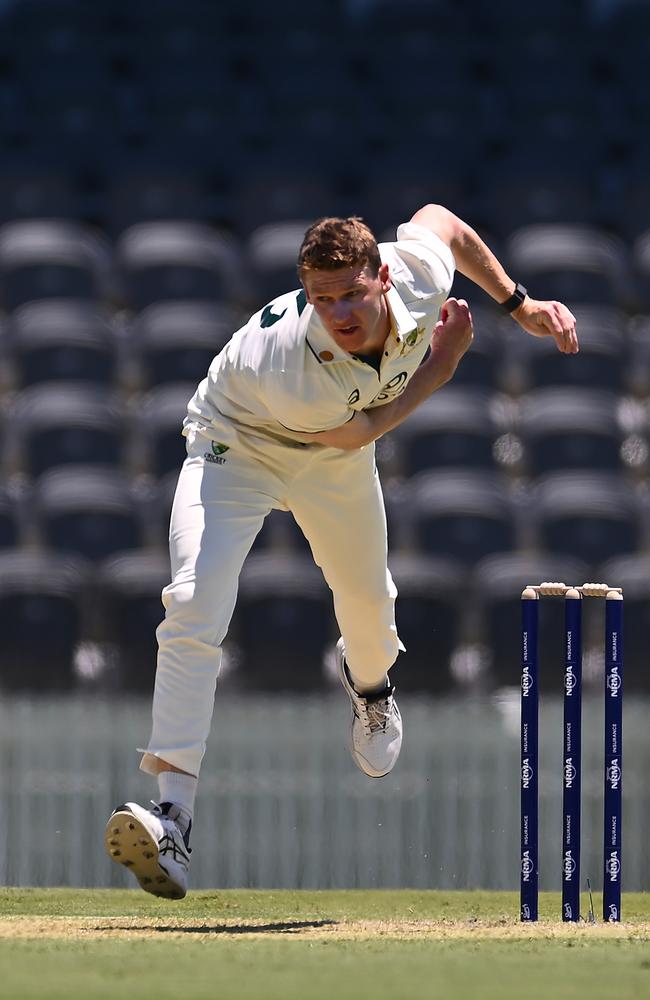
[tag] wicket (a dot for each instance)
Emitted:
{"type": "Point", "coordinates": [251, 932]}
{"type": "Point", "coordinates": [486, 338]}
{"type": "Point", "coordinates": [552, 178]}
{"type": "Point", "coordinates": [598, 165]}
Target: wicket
{"type": "Point", "coordinates": [572, 748]}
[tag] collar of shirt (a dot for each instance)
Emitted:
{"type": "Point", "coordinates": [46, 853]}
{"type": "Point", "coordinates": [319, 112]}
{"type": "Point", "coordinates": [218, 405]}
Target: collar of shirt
{"type": "Point", "coordinates": [327, 351]}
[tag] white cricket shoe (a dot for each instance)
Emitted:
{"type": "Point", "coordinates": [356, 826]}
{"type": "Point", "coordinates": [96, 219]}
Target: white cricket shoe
{"type": "Point", "coordinates": [376, 731]}
{"type": "Point", "coordinates": [150, 843]}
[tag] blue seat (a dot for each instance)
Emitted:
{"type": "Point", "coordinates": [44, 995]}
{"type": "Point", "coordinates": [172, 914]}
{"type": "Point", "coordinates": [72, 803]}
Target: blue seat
{"type": "Point", "coordinates": [62, 423]}
{"type": "Point", "coordinates": [129, 589]}
{"type": "Point", "coordinates": [570, 428]}
{"type": "Point", "coordinates": [456, 426]}
{"type": "Point", "coordinates": [160, 441]}
{"type": "Point", "coordinates": [603, 360]}
{"type": "Point", "coordinates": [177, 341]}
{"type": "Point", "coordinates": [571, 263]}
{"type": "Point", "coordinates": [48, 258]}
{"type": "Point", "coordinates": [43, 606]}
{"type": "Point", "coordinates": [430, 616]}
{"type": "Point", "coordinates": [10, 523]}
{"type": "Point", "coordinates": [177, 260]}
{"type": "Point", "coordinates": [62, 339]}
{"type": "Point", "coordinates": [463, 514]}
{"type": "Point", "coordinates": [592, 516]}
{"type": "Point", "coordinates": [92, 512]}
{"type": "Point", "coordinates": [284, 596]}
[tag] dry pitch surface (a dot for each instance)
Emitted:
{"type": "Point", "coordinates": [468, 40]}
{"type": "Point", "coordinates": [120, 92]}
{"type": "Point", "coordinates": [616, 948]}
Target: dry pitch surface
{"type": "Point", "coordinates": [104, 928]}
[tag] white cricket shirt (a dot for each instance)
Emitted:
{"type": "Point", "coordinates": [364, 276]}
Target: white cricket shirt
{"type": "Point", "coordinates": [282, 373]}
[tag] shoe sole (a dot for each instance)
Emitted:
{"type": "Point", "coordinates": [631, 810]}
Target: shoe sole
{"type": "Point", "coordinates": [129, 843]}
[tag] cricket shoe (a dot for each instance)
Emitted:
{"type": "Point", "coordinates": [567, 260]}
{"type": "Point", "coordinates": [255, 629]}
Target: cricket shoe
{"type": "Point", "coordinates": [151, 844]}
{"type": "Point", "coordinates": [376, 731]}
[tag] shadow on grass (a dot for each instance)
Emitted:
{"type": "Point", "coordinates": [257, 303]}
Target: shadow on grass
{"type": "Point", "coordinates": [276, 927]}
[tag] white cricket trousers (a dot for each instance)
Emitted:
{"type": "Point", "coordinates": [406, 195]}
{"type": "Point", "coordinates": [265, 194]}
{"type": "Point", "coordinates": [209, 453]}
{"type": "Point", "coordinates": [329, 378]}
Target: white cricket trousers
{"type": "Point", "coordinates": [219, 507]}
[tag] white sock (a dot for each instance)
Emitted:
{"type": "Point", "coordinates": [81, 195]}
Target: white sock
{"type": "Point", "coordinates": [181, 790]}
{"type": "Point", "coordinates": [364, 688]}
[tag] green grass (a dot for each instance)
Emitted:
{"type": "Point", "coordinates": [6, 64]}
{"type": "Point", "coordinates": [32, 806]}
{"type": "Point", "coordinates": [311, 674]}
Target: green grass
{"type": "Point", "coordinates": [307, 947]}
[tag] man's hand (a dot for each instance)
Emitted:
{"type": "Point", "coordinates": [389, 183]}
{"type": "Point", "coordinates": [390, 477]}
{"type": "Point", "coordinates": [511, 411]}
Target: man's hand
{"type": "Point", "coordinates": [549, 319]}
{"type": "Point", "coordinates": [451, 337]}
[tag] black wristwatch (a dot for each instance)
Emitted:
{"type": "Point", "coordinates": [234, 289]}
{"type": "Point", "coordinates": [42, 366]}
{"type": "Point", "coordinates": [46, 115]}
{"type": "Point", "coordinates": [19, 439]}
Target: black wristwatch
{"type": "Point", "coordinates": [515, 299]}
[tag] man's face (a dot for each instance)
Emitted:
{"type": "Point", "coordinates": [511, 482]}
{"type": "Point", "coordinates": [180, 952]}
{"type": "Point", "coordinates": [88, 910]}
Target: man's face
{"type": "Point", "coordinates": [351, 306]}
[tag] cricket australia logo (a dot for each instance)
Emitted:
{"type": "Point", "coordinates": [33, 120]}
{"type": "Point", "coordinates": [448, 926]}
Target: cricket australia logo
{"type": "Point", "coordinates": [411, 340]}
{"type": "Point", "coordinates": [215, 457]}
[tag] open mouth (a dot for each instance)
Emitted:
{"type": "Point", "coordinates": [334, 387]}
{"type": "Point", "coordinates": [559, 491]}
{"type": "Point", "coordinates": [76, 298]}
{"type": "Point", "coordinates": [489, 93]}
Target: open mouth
{"type": "Point", "coordinates": [347, 330]}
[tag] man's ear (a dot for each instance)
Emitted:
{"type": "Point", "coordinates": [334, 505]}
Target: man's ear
{"type": "Point", "coordinates": [384, 276]}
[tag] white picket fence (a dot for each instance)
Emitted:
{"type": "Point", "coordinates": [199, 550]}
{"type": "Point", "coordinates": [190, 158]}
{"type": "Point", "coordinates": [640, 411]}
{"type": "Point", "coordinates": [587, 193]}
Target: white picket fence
{"type": "Point", "coordinates": [281, 804]}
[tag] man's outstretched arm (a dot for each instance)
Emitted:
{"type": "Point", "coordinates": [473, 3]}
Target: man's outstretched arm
{"type": "Point", "coordinates": [477, 262]}
{"type": "Point", "coordinates": [450, 339]}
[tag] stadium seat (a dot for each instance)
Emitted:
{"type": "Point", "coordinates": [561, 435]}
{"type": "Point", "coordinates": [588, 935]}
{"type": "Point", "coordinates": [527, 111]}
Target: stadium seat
{"type": "Point", "coordinates": [602, 362]}
{"type": "Point", "coordinates": [177, 341]}
{"type": "Point", "coordinates": [429, 614]}
{"type": "Point", "coordinates": [60, 423]}
{"type": "Point", "coordinates": [571, 263]}
{"type": "Point", "coordinates": [10, 525]}
{"type": "Point", "coordinates": [632, 573]}
{"type": "Point", "coordinates": [27, 192]}
{"type": "Point", "coordinates": [641, 259]}
{"type": "Point", "coordinates": [483, 365]}
{"type": "Point", "coordinates": [284, 596]}
{"type": "Point", "coordinates": [129, 587]}
{"type": "Point", "coordinates": [177, 260]}
{"type": "Point", "coordinates": [570, 428]}
{"type": "Point", "coordinates": [463, 514]}
{"type": "Point", "coordinates": [523, 190]}
{"type": "Point", "coordinates": [89, 511]}
{"type": "Point", "coordinates": [456, 426]}
{"type": "Point", "coordinates": [495, 588]}
{"type": "Point", "coordinates": [272, 251]}
{"type": "Point", "coordinates": [48, 258]}
{"type": "Point", "coordinates": [151, 194]}
{"type": "Point", "coordinates": [284, 192]}
{"type": "Point", "coordinates": [42, 599]}
{"type": "Point", "coordinates": [67, 339]}
{"type": "Point", "coordinates": [592, 516]}
{"type": "Point", "coordinates": [158, 434]}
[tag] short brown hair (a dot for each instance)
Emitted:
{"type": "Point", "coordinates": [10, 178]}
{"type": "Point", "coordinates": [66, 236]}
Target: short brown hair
{"type": "Point", "coordinates": [332, 243]}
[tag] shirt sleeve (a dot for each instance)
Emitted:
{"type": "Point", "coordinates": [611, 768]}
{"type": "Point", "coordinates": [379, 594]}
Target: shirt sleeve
{"type": "Point", "coordinates": [305, 402]}
{"type": "Point", "coordinates": [428, 258]}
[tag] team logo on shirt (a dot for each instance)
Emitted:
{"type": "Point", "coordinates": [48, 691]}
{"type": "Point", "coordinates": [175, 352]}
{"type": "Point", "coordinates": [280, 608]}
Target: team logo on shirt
{"type": "Point", "coordinates": [215, 457]}
{"type": "Point", "coordinates": [395, 387]}
{"type": "Point", "coordinates": [413, 338]}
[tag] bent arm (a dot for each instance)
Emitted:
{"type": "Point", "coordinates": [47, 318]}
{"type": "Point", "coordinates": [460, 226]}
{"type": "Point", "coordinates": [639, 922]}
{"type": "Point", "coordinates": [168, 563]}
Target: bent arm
{"type": "Point", "coordinates": [476, 261]}
{"type": "Point", "coordinates": [451, 338]}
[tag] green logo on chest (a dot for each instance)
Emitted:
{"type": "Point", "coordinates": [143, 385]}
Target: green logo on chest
{"type": "Point", "coordinates": [218, 448]}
